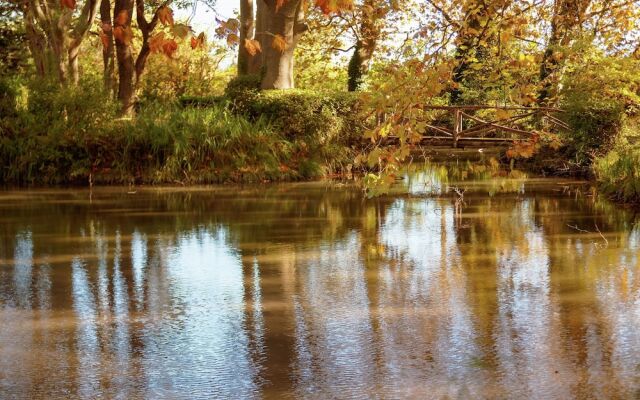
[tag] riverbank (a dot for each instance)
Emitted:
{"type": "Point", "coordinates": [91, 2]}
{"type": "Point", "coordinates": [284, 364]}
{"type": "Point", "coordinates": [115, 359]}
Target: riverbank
{"type": "Point", "coordinates": [51, 136]}
{"type": "Point", "coordinates": [73, 136]}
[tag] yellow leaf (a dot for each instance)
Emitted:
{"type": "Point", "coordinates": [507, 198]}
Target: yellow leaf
{"type": "Point", "coordinates": [333, 6]}
{"type": "Point", "coordinates": [374, 157]}
{"type": "Point", "coordinates": [232, 24]}
{"type": "Point", "coordinates": [232, 39]}
{"type": "Point", "coordinates": [502, 114]}
{"type": "Point", "coordinates": [181, 30]}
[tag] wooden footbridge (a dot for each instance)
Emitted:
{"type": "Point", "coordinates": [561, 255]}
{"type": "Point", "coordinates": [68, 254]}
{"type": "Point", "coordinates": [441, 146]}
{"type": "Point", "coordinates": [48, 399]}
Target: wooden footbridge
{"type": "Point", "coordinates": [488, 125]}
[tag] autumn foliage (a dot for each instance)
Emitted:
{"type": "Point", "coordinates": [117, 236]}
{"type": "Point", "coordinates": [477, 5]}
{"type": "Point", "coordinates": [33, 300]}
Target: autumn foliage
{"type": "Point", "coordinates": [70, 4]}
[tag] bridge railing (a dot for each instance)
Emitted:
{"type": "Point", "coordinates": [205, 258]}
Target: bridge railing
{"type": "Point", "coordinates": [508, 120]}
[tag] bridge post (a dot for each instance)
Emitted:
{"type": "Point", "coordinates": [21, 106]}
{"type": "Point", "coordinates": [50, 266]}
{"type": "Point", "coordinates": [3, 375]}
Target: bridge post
{"type": "Point", "coordinates": [457, 126]}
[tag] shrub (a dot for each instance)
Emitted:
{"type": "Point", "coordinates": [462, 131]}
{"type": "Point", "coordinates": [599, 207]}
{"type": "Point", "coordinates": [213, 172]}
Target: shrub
{"type": "Point", "coordinates": [242, 92]}
{"type": "Point", "coordinates": [45, 139]}
{"type": "Point", "coordinates": [595, 127]}
{"type": "Point", "coordinates": [318, 117]}
{"type": "Point", "coordinates": [206, 145]}
{"type": "Point", "coordinates": [599, 94]}
{"type": "Point", "coordinates": [190, 73]}
{"type": "Point", "coordinates": [206, 101]}
{"type": "Point", "coordinates": [618, 173]}
{"type": "Point", "coordinates": [326, 124]}
{"type": "Point", "coordinates": [8, 97]}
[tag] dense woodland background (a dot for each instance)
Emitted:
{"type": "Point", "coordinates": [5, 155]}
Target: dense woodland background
{"type": "Point", "coordinates": [126, 91]}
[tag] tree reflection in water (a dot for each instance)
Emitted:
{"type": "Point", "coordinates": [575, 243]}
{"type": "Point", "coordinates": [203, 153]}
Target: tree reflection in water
{"type": "Point", "coordinates": [308, 290]}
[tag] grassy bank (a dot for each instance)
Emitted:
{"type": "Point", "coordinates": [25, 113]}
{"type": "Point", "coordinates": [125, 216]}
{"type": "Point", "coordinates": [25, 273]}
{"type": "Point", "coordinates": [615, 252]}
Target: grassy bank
{"type": "Point", "coordinates": [74, 136]}
{"type": "Point", "coordinates": [618, 174]}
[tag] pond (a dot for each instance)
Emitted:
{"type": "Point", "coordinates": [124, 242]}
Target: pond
{"type": "Point", "coordinates": [514, 288]}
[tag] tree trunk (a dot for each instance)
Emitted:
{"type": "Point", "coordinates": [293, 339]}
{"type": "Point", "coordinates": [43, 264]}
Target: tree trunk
{"type": "Point", "coordinates": [568, 16]}
{"type": "Point", "coordinates": [74, 69]}
{"type": "Point", "coordinates": [547, 67]}
{"type": "Point", "coordinates": [257, 61]}
{"type": "Point", "coordinates": [124, 55]}
{"type": "Point", "coordinates": [366, 44]}
{"type": "Point", "coordinates": [75, 38]}
{"type": "Point", "coordinates": [37, 42]}
{"type": "Point", "coordinates": [468, 46]}
{"type": "Point", "coordinates": [108, 53]}
{"type": "Point", "coordinates": [59, 34]}
{"type": "Point", "coordinates": [145, 28]}
{"type": "Point", "coordinates": [141, 62]}
{"type": "Point", "coordinates": [477, 37]}
{"type": "Point", "coordinates": [247, 32]}
{"type": "Point", "coordinates": [58, 53]}
{"type": "Point", "coordinates": [287, 22]}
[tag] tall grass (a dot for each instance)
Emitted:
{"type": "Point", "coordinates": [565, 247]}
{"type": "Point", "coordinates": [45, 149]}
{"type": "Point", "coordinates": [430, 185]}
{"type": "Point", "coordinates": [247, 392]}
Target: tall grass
{"type": "Point", "coordinates": [74, 136]}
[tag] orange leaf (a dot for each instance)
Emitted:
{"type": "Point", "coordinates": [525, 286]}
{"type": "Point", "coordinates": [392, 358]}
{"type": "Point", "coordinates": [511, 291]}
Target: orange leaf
{"type": "Point", "coordinates": [333, 6]}
{"type": "Point", "coordinates": [198, 41]}
{"type": "Point", "coordinates": [165, 14]}
{"type": "Point", "coordinates": [279, 3]}
{"type": "Point", "coordinates": [106, 27]}
{"type": "Point", "coordinates": [169, 47]}
{"type": "Point", "coordinates": [324, 6]}
{"type": "Point", "coordinates": [122, 18]}
{"type": "Point", "coordinates": [252, 46]}
{"type": "Point", "coordinates": [156, 42]}
{"type": "Point", "coordinates": [279, 43]}
{"type": "Point", "coordinates": [70, 4]}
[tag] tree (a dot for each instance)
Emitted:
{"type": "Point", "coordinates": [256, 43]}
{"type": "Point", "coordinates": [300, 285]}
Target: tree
{"type": "Point", "coordinates": [130, 67]}
{"type": "Point", "coordinates": [608, 22]}
{"type": "Point", "coordinates": [367, 36]}
{"type": "Point", "coordinates": [476, 35]}
{"type": "Point", "coordinates": [108, 47]}
{"type": "Point", "coordinates": [248, 59]}
{"type": "Point", "coordinates": [568, 16]}
{"type": "Point", "coordinates": [279, 24]}
{"type": "Point", "coordinates": [285, 23]}
{"type": "Point", "coordinates": [55, 32]}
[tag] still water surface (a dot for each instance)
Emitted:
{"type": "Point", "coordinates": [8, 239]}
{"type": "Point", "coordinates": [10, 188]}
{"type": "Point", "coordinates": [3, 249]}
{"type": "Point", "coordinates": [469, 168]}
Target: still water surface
{"type": "Point", "coordinates": [524, 290]}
